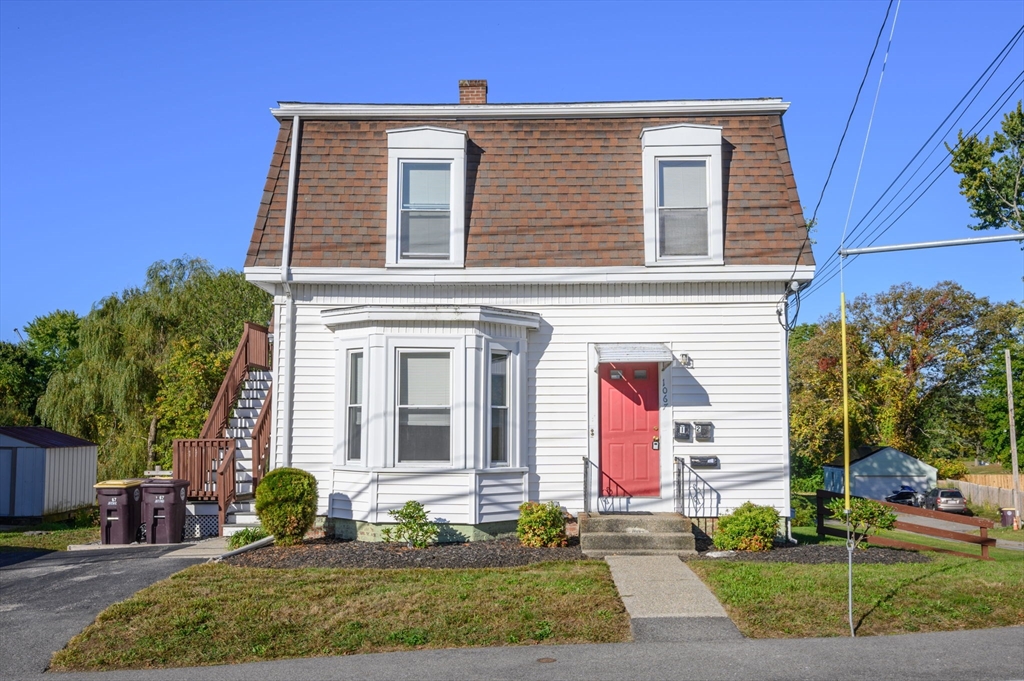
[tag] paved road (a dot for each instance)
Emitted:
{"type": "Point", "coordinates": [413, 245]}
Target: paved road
{"type": "Point", "coordinates": [985, 654]}
{"type": "Point", "coordinates": [46, 598]}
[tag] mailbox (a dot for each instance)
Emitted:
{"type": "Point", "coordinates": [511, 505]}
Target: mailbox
{"type": "Point", "coordinates": [682, 431]}
{"type": "Point", "coordinates": [704, 462]}
{"type": "Point", "coordinates": [704, 431]}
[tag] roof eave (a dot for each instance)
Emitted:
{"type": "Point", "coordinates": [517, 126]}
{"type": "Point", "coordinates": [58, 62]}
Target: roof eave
{"type": "Point", "coordinates": [507, 111]}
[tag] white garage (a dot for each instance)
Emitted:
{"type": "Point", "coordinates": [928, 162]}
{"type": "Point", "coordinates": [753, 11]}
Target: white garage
{"type": "Point", "coordinates": [875, 472]}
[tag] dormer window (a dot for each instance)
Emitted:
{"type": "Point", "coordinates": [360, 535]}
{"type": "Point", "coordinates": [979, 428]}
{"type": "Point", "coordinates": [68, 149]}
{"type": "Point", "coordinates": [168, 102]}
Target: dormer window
{"type": "Point", "coordinates": [426, 197]}
{"type": "Point", "coordinates": [424, 228]}
{"type": "Point", "coordinates": [682, 167]}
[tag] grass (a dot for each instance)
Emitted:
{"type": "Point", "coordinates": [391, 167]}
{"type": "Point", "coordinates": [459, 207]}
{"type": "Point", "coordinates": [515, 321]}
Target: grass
{"type": "Point", "coordinates": [221, 614]}
{"type": "Point", "coordinates": [789, 600]}
{"type": "Point", "coordinates": [82, 530]}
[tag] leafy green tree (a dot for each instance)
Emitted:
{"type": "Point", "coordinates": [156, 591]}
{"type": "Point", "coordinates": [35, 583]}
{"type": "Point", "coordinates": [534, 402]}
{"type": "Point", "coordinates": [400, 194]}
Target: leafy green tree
{"type": "Point", "coordinates": [189, 381]}
{"type": "Point", "coordinates": [992, 401]}
{"type": "Point", "coordinates": [913, 355]}
{"type": "Point", "coordinates": [53, 341]}
{"type": "Point", "coordinates": [991, 173]}
{"type": "Point", "coordinates": [111, 394]}
{"type": "Point", "coordinates": [19, 388]}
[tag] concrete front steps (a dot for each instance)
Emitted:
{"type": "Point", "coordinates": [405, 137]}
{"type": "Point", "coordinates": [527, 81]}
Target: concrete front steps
{"type": "Point", "coordinates": [636, 534]}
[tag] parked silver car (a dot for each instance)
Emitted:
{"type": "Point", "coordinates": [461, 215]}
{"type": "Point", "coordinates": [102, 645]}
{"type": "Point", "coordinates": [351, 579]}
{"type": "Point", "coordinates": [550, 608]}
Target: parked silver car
{"type": "Point", "coordinates": [949, 500]}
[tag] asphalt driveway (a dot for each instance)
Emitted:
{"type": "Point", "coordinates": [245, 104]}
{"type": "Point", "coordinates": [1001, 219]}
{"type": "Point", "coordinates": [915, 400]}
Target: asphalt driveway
{"type": "Point", "coordinates": [46, 598]}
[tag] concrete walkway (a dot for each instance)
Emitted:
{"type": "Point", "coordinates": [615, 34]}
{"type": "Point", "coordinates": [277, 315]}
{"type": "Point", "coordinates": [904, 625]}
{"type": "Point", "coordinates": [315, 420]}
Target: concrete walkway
{"type": "Point", "coordinates": [667, 602]}
{"type": "Point", "coordinates": [211, 547]}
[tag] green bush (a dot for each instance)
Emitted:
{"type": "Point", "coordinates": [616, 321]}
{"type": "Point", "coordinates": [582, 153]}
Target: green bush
{"type": "Point", "coordinates": [286, 504]}
{"type": "Point", "coordinates": [246, 536]}
{"type": "Point", "coordinates": [541, 525]}
{"type": "Point", "coordinates": [749, 528]}
{"type": "Point", "coordinates": [866, 516]}
{"type": "Point", "coordinates": [414, 527]}
{"type": "Point", "coordinates": [804, 514]}
{"type": "Point", "coordinates": [951, 469]}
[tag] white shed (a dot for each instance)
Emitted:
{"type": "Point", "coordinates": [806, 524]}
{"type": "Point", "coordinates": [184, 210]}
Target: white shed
{"type": "Point", "coordinates": [876, 472]}
{"type": "Point", "coordinates": [43, 472]}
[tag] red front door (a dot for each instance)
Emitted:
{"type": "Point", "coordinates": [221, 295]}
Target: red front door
{"type": "Point", "coordinates": [629, 430]}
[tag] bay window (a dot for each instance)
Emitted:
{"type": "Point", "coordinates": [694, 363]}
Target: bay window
{"type": "Point", "coordinates": [424, 407]}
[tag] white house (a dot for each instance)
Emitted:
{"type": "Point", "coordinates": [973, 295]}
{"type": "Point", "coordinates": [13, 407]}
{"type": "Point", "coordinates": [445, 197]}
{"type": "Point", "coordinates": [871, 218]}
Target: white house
{"type": "Point", "coordinates": [477, 305]}
{"type": "Point", "coordinates": [876, 472]}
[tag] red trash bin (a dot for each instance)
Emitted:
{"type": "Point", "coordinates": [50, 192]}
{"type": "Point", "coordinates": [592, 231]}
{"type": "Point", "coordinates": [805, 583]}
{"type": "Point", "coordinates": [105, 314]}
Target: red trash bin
{"type": "Point", "coordinates": [163, 510]}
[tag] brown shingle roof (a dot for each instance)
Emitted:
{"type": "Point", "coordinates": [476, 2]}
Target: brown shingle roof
{"type": "Point", "coordinates": [540, 193]}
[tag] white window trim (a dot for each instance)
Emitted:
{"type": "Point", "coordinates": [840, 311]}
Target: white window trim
{"type": "Point", "coordinates": [456, 346]}
{"type": "Point", "coordinates": [343, 350]}
{"type": "Point", "coordinates": [516, 388]}
{"type": "Point", "coordinates": [683, 142]}
{"type": "Point", "coordinates": [426, 144]}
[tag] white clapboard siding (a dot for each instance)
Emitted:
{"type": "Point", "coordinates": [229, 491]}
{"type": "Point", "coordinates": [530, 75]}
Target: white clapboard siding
{"type": "Point", "coordinates": [736, 380]}
{"type": "Point", "coordinates": [500, 495]}
{"type": "Point", "coordinates": [445, 496]}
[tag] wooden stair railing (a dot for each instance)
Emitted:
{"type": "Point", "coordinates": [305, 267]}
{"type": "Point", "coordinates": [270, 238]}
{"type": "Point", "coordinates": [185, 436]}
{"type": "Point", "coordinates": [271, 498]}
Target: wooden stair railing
{"type": "Point", "coordinates": [261, 443]}
{"type": "Point", "coordinates": [208, 462]}
{"type": "Point", "coordinates": [252, 353]}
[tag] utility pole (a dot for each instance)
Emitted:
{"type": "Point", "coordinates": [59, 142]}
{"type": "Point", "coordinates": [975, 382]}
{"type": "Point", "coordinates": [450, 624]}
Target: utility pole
{"type": "Point", "coordinates": [1013, 445]}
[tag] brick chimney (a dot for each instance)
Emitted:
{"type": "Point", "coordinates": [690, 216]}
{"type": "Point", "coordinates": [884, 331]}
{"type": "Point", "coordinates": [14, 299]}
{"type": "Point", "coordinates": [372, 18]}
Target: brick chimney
{"type": "Point", "coordinates": [472, 92]}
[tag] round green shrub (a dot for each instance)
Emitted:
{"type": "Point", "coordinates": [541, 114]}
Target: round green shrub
{"type": "Point", "coordinates": [804, 514]}
{"type": "Point", "coordinates": [286, 504]}
{"type": "Point", "coordinates": [749, 528]}
{"type": "Point", "coordinates": [541, 525]}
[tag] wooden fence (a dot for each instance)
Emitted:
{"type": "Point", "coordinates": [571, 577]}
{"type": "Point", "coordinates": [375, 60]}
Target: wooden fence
{"type": "Point", "coordinates": [1005, 481]}
{"type": "Point", "coordinates": [982, 540]}
{"type": "Point", "coordinates": [1000, 497]}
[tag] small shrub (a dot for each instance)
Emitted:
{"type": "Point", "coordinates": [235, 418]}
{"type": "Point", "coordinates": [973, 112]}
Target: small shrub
{"type": "Point", "coordinates": [246, 536]}
{"type": "Point", "coordinates": [749, 528]}
{"type": "Point", "coordinates": [951, 469]}
{"type": "Point", "coordinates": [804, 514]}
{"type": "Point", "coordinates": [866, 516]}
{"type": "Point", "coordinates": [541, 525]}
{"type": "Point", "coordinates": [414, 527]}
{"type": "Point", "coordinates": [286, 504]}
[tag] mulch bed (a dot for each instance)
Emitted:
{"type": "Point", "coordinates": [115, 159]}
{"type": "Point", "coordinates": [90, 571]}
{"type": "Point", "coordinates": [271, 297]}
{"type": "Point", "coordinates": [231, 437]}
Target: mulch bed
{"type": "Point", "coordinates": [334, 553]}
{"type": "Point", "coordinates": [811, 554]}
{"type": "Point", "coordinates": [325, 552]}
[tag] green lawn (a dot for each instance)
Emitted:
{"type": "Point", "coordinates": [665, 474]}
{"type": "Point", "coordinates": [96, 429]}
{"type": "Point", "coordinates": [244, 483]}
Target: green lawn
{"type": "Point", "coordinates": [221, 614]}
{"type": "Point", "coordinates": [788, 600]}
{"type": "Point", "coordinates": [57, 536]}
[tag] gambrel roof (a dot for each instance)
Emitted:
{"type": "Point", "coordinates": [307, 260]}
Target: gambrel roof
{"type": "Point", "coordinates": [562, 188]}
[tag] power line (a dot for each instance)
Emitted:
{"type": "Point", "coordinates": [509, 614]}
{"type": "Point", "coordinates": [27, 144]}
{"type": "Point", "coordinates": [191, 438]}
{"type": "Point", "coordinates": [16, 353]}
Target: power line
{"type": "Point", "coordinates": [831, 269]}
{"type": "Point", "coordinates": [992, 67]}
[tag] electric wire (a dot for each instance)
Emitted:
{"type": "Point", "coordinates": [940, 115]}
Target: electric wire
{"type": "Point", "coordinates": [784, 315]}
{"type": "Point", "coordinates": [934, 174]}
{"type": "Point", "coordinates": [990, 71]}
{"type": "Point", "coordinates": [846, 424]}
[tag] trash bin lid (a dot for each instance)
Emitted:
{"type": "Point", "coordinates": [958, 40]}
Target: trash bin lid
{"type": "Point", "coordinates": [117, 483]}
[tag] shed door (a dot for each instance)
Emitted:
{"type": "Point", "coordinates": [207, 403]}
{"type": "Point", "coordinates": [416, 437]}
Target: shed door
{"type": "Point", "coordinates": [8, 472]}
{"type": "Point", "coordinates": [628, 422]}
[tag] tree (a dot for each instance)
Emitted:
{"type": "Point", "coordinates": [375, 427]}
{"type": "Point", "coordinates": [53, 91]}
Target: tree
{"type": "Point", "coordinates": [128, 358]}
{"type": "Point", "coordinates": [913, 358]}
{"type": "Point", "coordinates": [26, 367]}
{"type": "Point", "coordinates": [992, 403]}
{"type": "Point", "coordinates": [991, 174]}
{"type": "Point", "coordinates": [18, 387]}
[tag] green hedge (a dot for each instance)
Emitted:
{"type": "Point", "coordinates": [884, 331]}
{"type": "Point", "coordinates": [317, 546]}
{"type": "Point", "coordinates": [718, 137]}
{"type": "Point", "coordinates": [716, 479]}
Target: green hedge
{"type": "Point", "coordinates": [286, 504]}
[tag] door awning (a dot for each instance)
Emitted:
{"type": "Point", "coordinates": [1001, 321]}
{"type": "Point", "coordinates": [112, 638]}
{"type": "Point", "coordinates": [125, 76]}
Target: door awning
{"type": "Point", "coordinates": [608, 353]}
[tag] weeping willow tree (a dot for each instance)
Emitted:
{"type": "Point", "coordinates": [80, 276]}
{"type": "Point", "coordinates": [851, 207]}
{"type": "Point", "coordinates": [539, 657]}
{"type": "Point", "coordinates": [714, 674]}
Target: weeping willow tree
{"type": "Point", "coordinates": [111, 395]}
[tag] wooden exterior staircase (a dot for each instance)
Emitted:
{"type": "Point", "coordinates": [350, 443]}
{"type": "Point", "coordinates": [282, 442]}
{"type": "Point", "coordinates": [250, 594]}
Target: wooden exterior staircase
{"type": "Point", "coordinates": [232, 453]}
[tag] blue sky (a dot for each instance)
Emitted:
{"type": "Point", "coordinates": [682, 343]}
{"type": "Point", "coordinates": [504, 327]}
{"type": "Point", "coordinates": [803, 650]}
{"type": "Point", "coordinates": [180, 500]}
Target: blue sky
{"type": "Point", "coordinates": [135, 132]}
